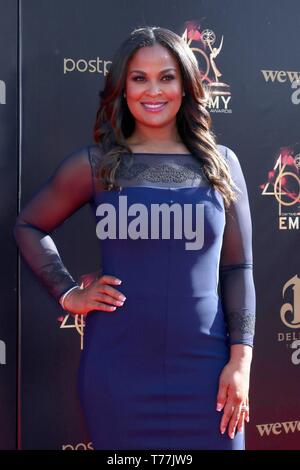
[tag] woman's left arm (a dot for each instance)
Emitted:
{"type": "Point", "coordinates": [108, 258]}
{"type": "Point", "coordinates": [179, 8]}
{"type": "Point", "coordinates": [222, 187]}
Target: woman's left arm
{"type": "Point", "coordinates": [238, 301]}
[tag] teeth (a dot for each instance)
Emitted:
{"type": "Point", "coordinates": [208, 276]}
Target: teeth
{"type": "Point", "coordinates": [153, 106]}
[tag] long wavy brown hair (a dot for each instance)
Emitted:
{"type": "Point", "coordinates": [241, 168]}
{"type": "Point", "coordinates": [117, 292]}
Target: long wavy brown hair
{"type": "Point", "coordinates": [115, 123]}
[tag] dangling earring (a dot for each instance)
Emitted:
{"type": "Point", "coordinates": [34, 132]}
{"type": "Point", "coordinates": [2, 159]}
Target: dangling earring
{"type": "Point", "coordinates": [124, 94]}
{"type": "Point", "coordinates": [183, 94]}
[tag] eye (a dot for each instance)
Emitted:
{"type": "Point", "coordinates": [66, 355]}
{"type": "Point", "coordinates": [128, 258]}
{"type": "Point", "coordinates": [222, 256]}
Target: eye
{"type": "Point", "coordinates": [138, 78]}
{"type": "Point", "coordinates": [168, 77]}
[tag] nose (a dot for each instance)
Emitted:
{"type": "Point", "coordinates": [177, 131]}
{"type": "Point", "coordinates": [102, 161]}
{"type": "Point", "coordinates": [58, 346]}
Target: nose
{"type": "Point", "coordinates": [153, 89]}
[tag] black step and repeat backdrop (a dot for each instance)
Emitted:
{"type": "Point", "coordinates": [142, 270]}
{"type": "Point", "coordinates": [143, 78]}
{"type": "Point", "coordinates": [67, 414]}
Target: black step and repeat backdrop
{"type": "Point", "coordinates": [8, 211]}
{"type": "Point", "coordinates": [249, 53]}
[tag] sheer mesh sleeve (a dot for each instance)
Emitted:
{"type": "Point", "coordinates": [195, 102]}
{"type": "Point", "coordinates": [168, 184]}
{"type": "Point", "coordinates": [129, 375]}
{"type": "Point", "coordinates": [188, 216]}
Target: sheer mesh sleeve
{"type": "Point", "coordinates": [67, 189]}
{"type": "Point", "coordinates": [236, 264]}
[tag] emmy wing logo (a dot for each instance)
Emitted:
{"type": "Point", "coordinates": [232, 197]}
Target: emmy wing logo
{"type": "Point", "coordinates": [284, 185]}
{"type": "Point", "coordinates": [207, 49]}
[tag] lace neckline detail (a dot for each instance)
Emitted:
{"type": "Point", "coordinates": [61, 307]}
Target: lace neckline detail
{"type": "Point", "coordinates": [155, 169]}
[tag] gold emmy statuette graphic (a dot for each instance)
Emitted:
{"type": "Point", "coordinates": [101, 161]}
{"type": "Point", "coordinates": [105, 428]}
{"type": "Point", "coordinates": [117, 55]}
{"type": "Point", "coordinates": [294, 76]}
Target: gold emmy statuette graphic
{"type": "Point", "coordinates": [216, 87]}
{"type": "Point", "coordinates": [189, 37]}
{"type": "Point", "coordinates": [208, 38]}
{"type": "Point", "coordinates": [287, 308]}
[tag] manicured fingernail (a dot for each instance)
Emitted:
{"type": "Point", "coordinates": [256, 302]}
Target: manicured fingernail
{"type": "Point", "coordinates": [219, 407]}
{"type": "Point", "coordinates": [222, 430]}
{"type": "Point", "coordinates": [231, 435]}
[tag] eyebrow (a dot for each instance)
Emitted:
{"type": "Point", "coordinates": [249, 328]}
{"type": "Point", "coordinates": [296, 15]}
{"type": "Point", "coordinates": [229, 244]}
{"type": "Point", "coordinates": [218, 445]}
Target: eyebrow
{"type": "Point", "coordinates": [162, 71]}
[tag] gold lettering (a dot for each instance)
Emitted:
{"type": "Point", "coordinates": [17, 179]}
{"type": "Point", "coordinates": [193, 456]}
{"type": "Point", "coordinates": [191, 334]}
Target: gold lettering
{"type": "Point", "coordinates": [214, 103]}
{"type": "Point", "coordinates": [293, 76]}
{"type": "Point", "coordinates": [281, 76]}
{"type": "Point", "coordinates": [276, 428]}
{"type": "Point", "coordinates": [226, 101]}
{"type": "Point", "coordinates": [269, 74]}
{"type": "Point", "coordinates": [106, 66]}
{"type": "Point", "coordinates": [79, 446]}
{"type": "Point", "coordinates": [282, 221]}
{"type": "Point", "coordinates": [293, 224]}
{"type": "Point", "coordinates": [264, 429]}
{"type": "Point", "coordinates": [289, 336]}
{"type": "Point", "coordinates": [295, 358]}
{"type": "Point", "coordinates": [290, 426]}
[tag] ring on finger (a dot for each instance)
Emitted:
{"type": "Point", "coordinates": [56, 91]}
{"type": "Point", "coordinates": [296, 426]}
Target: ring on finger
{"type": "Point", "coordinates": [244, 408]}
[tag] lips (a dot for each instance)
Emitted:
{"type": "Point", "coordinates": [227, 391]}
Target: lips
{"type": "Point", "coordinates": [154, 107]}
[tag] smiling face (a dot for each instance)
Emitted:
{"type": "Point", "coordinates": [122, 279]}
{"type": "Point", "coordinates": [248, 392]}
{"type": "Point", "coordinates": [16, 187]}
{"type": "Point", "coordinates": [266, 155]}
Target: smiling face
{"type": "Point", "coordinates": [154, 86]}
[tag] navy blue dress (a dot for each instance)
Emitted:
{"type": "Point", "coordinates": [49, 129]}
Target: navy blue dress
{"type": "Point", "coordinates": [149, 371]}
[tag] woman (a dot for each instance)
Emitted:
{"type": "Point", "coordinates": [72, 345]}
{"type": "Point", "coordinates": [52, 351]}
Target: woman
{"type": "Point", "coordinates": [166, 362]}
